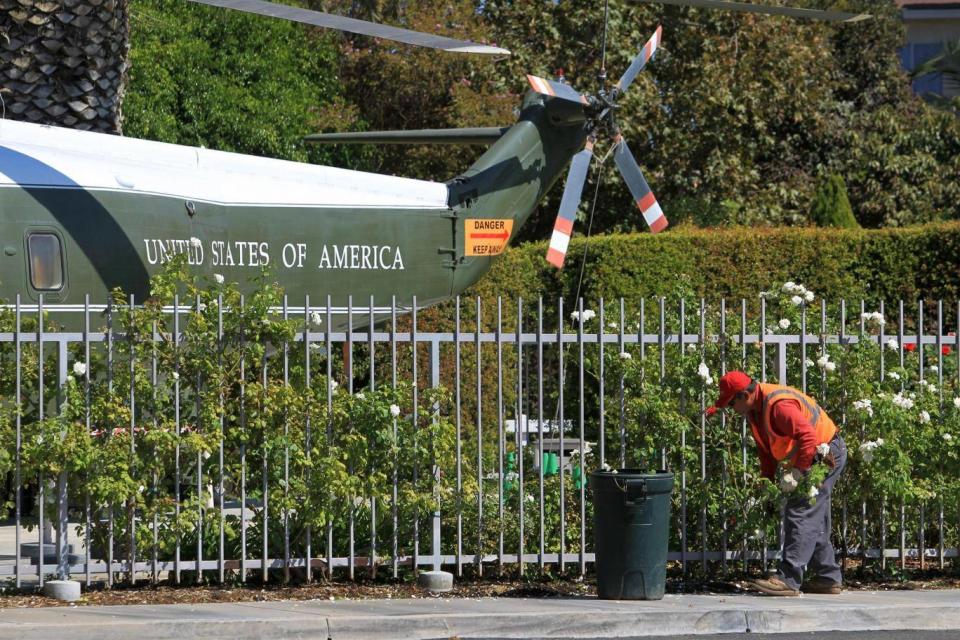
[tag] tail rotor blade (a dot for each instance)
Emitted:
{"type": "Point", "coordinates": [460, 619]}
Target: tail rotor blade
{"type": "Point", "coordinates": [640, 61]}
{"type": "Point", "coordinates": [555, 89]}
{"type": "Point", "coordinates": [638, 186]}
{"type": "Point", "coordinates": [572, 191]}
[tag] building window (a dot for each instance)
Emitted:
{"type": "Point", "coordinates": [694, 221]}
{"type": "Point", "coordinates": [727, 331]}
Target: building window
{"type": "Point", "coordinates": [46, 262]}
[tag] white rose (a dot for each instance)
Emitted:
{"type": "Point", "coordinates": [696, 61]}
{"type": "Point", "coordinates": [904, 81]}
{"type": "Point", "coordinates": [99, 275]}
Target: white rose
{"type": "Point", "coordinates": [788, 287]}
{"type": "Point", "coordinates": [879, 442]}
{"type": "Point", "coordinates": [703, 371]}
{"type": "Point", "coordinates": [823, 449]}
{"type": "Point", "coordinates": [788, 483]}
{"type": "Point", "coordinates": [625, 356]}
{"type": "Point", "coordinates": [79, 368]}
{"type": "Point", "coordinates": [784, 323]}
{"type": "Point", "coordinates": [316, 318]}
{"type": "Point", "coordinates": [808, 296]}
{"type": "Point", "coordinates": [333, 385]}
{"type": "Point", "coordinates": [218, 278]}
{"type": "Point", "coordinates": [394, 410]}
{"type": "Point", "coordinates": [830, 367]}
{"type": "Point", "coordinates": [892, 344]}
{"type": "Point", "coordinates": [588, 314]}
{"type": "Point", "coordinates": [176, 376]}
{"type": "Point", "coordinates": [796, 300]}
{"type": "Point", "coordinates": [814, 492]}
{"type": "Point", "coordinates": [530, 498]}
{"type": "Point", "coordinates": [822, 361]}
{"type": "Point", "coordinates": [808, 362]}
{"type": "Point", "coordinates": [947, 437]}
{"type": "Point", "coordinates": [613, 325]}
{"type": "Point", "coordinates": [956, 402]}
{"type": "Point", "coordinates": [709, 380]}
{"type": "Point", "coordinates": [894, 375]}
{"type": "Point", "coordinates": [361, 396]}
{"type": "Point", "coordinates": [934, 369]}
{"type": "Point", "coordinates": [924, 417]}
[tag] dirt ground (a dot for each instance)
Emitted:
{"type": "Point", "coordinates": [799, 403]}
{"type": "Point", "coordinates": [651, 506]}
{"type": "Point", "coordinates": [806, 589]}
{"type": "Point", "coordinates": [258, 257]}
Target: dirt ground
{"type": "Point", "coordinates": [466, 587]}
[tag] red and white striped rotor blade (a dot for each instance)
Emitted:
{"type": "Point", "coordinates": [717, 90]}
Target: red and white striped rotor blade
{"type": "Point", "coordinates": [640, 61]}
{"type": "Point", "coordinates": [572, 192]}
{"type": "Point", "coordinates": [646, 201]}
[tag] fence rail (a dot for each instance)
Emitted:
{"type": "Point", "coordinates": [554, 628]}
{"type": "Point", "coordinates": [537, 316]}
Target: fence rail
{"type": "Point", "coordinates": [505, 370]}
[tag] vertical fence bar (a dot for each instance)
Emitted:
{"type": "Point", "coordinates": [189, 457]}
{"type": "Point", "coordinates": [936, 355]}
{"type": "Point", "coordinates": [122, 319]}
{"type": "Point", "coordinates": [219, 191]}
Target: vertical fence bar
{"type": "Point", "coordinates": [396, 461]}
{"type": "Point", "coordinates": [86, 409]}
{"type": "Point", "coordinates": [265, 479]}
{"type": "Point", "coordinates": [520, 434]}
{"type": "Point", "coordinates": [416, 423]}
{"type": "Point", "coordinates": [743, 421]}
{"type": "Point", "coordinates": [458, 417]}
{"type": "Point", "coordinates": [328, 330]}
{"type": "Point", "coordinates": [843, 502]}
{"type": "Point", "coordinates": [348, 365]}
{"type": "Point", "coordinates": [540, 459]}
{"type": "Point", "coordinates": [63, 557]}
{"type": "Point", "coordinates": [684, 533]}
{"type": "Point", "coordinates": [221, 540]}
{"type": "Point", "coordinates": [703, 438]}
{"type": "Point", "coordinates": [243, 445]}
{"type": "Point", "coordinates": [724, 531]}
{"type": "Point", "coordinates": [434, 354]}
{"type": "Point", "coordinates": [308, 425]}
{"type": "Point", "coordinates": [131, 342]}
{"type": "Point", "coordinates": [939, 354]}
{"type": "Point", "coordinates": [560, 426]}
{"type": "Point", "coordinates": [920, 532]}
{"type": "Point", "coordinates": [601, 427]}
{"type": "Point", "coordinates": [18, 479]}
{"type": "Point", "coordinates": [582, 434]}
{"type": "Point", "coordinates": [201, 500]}
{"type": "Point", "coordinates": [621, 387]}
{"type": "Point", "coordinates": [662, 343]}
{"type": "Point", "coordinates": [155, 550]}
{"type": "Point", "coordinates": [41, 502]}
{"type": "Point", "coordinates": [883, 501]}
{"type": "Point", "coordinates": [479, 442]}
{"type": "Point", "coordinates": [903, 511]}
{"type": "Point", "coordinates": [286, 453]}
{"type": "Point", "coordinates": [500, 471]}
{"type": "Point", "coordinates": [176, 418]}
{"type": "Point", "coordinates": [371, 323]}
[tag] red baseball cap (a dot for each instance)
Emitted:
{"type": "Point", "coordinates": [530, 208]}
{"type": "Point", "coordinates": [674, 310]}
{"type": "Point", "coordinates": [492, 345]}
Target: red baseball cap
{"type": "Point", "coordinates": [731, 383]}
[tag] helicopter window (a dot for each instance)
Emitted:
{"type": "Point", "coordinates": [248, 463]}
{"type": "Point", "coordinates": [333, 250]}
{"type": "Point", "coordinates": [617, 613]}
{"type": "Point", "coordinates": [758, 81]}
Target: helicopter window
{"type": "Point", "coordinates": [46, 262]}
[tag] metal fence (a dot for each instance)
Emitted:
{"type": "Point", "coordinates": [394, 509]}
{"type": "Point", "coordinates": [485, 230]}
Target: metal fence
{"type": "Point", "coordinates": [524, 371]}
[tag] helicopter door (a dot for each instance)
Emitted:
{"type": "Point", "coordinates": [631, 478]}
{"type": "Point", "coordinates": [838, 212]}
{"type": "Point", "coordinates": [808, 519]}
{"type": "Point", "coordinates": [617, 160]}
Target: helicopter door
{"type": "Point", "coordinates": [46, 265]}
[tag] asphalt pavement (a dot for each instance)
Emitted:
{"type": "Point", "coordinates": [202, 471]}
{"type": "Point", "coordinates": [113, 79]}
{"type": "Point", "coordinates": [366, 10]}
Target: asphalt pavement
{"type": "Point", "coordinates": [586, 617]}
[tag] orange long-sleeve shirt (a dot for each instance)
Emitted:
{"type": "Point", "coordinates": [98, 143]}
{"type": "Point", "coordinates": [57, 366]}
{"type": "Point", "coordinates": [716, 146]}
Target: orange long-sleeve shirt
{"type": "Point", "coordinates": [787, 420]}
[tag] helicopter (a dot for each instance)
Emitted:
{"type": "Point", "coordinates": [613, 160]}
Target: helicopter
{"type": "Point", "coordinates": [84, 213]}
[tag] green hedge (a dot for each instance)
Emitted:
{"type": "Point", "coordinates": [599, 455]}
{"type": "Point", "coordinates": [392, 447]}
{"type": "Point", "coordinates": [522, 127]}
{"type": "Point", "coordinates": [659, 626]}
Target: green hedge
{"type": "Point", "coordinates": [912, 263]}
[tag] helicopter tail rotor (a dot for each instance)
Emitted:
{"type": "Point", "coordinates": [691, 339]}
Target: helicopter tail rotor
{"type": "Point", "coordinates": [599, 112]}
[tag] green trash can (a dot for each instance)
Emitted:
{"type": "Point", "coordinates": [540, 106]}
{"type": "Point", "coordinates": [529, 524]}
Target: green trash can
{"type": "Point", "coordinates": [631, 523]}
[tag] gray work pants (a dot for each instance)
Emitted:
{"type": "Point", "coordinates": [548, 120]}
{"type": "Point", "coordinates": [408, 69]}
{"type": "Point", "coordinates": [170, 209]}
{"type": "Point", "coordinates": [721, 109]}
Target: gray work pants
{"type": "Point", "coordinates": [806, 540]}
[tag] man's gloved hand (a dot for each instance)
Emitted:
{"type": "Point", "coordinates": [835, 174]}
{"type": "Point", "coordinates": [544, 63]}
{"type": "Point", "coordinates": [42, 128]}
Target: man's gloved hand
{"type": "Point", "coordinates": [825, 455]}
{"type": "Point", "coordinates": [789, 482]}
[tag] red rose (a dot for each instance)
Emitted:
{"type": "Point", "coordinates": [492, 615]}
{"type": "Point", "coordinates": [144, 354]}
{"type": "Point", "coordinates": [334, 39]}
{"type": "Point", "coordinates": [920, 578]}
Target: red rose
{"type": "Point", "coordinates": [909, 346]}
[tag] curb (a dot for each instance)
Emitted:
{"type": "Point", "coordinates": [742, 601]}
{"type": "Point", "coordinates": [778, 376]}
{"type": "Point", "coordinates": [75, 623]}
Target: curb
{"type": "Point", "coordinates": [485, 618]}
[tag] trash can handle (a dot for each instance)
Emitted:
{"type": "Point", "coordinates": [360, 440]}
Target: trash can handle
{"type": "Point", "coordinates": [635, 490]}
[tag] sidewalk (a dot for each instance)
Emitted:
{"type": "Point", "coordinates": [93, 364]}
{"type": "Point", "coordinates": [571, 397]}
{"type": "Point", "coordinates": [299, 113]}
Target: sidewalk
{"type": "Point", "coordinates": [491, 617]}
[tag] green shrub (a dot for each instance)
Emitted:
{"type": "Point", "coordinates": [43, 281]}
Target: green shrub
{"type": "Point", "coordinates": [831, 207]}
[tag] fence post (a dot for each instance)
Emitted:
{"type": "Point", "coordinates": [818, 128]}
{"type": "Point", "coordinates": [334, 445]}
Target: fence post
{"type": "Point", "coordinates": [63, 550]}
{"type": "Point", "coordinates": [434, 383]}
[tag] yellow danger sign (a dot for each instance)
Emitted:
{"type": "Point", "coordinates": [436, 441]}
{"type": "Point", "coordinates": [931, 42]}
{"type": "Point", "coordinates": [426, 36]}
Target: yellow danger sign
{"type": "Point", "coordinates": [486, 236]}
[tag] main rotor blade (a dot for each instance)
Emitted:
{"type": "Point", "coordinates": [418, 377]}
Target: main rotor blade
{"type": "Point", "coordinates": [572, 191]}
{"type": "Point", "coordinates": [478, 135]}
{"type": "Point", "coordinates": [646, 201]}
{"type": "Point", "coordinates": [793, 12]}
{"type": "Point", "coordinates": [319, 19]}
{"type": "Point", "coordinates": [640, 61]}
{"type": "Point", "coordinates": [555, 89]}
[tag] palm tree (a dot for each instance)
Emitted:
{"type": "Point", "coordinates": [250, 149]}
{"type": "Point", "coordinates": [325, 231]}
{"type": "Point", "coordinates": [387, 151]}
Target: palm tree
{"type": "Point", "coordinates": [64, 62]}
{"type": "Point", "coordinates": [947, 63]}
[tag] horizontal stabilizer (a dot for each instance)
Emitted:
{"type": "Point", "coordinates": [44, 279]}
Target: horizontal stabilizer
{"type": "Point", "coordinates": [477, 135]}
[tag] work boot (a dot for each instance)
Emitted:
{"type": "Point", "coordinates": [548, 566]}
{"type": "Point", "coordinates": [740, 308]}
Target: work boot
{"type": "Point", "coordinates": [774, 586]}
{"type": "Point", "coordinates": [821, 585]}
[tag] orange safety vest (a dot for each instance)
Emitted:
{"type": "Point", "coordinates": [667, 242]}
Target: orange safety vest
{"type": "Point", "coordinates": [784, 447]}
